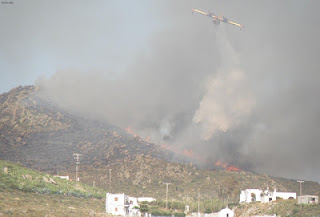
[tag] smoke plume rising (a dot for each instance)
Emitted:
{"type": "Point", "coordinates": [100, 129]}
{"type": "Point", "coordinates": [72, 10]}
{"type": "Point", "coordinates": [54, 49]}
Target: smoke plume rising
{"type": "Point", "coordinates": [248, 98]}
{"type": "Point", "coordinates": [223, 106]}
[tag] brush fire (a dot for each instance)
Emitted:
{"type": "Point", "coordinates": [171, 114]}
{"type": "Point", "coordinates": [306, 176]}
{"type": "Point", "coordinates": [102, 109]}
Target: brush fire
{"type": "Point", "coordinates": [227, 167]}
{"type": "Point", "coordinates": [179, 150]}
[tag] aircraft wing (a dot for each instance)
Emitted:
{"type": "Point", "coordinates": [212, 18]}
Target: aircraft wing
{"type": "Point", "coordinates": [206, 14]}
{"type": "Point", "coordinates": [236, 24]}
{"type": "Point", "coordinates": [218, 18]}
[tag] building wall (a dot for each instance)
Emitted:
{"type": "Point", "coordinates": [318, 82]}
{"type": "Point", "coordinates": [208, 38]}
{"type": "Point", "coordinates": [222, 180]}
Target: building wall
{"type": "Point", "coordinates": [308, 199]}
{"type": "Point", "coordinates": [115, 204]}
{"type": "Point", "coordinates": [226, 213]}
{"type": "Point", "coordinates": [286, 195]}
{"type": "Point", "coordinates": [147, 199]}
{"type": "Point", "coordinates": [272, 196]}
{"type": "Point", "coordinates": [246, 195]}
{"type": "Point", "coordinates": [266, 196]}
{"type": "Point", "coordinates": [122, 205]}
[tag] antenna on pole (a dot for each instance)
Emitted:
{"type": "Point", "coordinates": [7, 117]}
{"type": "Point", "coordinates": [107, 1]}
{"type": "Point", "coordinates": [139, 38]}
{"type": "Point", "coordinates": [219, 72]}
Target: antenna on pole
{"type": "Point", "coordinates": [76, 156]}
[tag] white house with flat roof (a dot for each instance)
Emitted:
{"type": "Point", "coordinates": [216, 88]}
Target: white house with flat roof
{"type": "Point", "coordinates": [252, 195]}
{"type": "Point", "coordinates": [122, 205]}
{"type": "Point", "coordinates": [116, 204]}
{"type": "Point", "coordinates": [272, 196]}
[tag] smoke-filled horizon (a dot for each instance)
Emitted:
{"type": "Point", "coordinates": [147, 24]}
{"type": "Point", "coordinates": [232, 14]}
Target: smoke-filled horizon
{"type": "Point", "coordinates": [244, 97]}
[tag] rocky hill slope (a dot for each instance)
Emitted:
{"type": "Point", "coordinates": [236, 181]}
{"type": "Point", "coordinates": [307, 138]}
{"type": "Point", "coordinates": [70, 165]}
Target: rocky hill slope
{"type": "Point", "coordinates": [42, 136]}
{"type": "Point", "coordinates": [45, 137]}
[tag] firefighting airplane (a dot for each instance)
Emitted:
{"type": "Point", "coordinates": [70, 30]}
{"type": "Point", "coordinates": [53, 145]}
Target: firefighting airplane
{"type": "Point", "coordinates": [217, 19]}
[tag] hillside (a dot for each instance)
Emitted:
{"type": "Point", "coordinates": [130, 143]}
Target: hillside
{"type": "Point", "coordinates": [44, 137]}
{"type": "Point", "coordinates": [146, 176]}
{"type": "Point", "coordinates": [19, 203]}
{"type": "Point", "coordinates": [25, 192]}
{"type": "Point", "coordinates": [14, 176]}
{"type": "Point", "coordinates": [280, 208]}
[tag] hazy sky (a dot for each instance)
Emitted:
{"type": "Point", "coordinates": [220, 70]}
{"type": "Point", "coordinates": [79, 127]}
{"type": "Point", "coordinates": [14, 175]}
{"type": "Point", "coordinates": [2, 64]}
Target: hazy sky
{"type": "Point", "coordinates": [39, 38]}
{"type": "Point", "coordinates": [247, 97]}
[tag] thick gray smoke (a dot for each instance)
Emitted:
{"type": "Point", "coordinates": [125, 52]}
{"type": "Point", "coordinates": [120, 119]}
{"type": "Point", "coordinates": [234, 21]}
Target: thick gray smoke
{"type": "Point", "coordinates": [247, 98]}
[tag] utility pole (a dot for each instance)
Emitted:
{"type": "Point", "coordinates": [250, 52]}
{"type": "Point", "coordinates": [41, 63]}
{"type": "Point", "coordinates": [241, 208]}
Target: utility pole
{"type": "Point", "coordinates": [77, 157]}
{"type": "Point", "coordinates": [167, 188]}
{"type": "Point", "coordinates": [300, 182]}
{"type": "Point", "coordinates": [198, 202]}
{"type": "Point", "coordinates": [110, 180]}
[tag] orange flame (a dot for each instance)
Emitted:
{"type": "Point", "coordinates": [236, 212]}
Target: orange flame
{"type": "Point", "coordinates": [227, 167]}
{"type": "Point", "coordinates": [233, 169]}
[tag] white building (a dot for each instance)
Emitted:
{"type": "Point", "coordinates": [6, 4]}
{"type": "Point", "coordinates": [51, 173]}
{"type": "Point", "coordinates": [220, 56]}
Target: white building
{"type": "Point", "coordinates": [146, 199]}
{"type": "Point", "coordinates": [63, 177]}
{"type": "Point", "coordinates": [272, 196]}
{"type": "Point", "coordinates": [251, 195]}
{"type": "Point", "coordinates": [308, 199]}
{"type": "Point", "coordinates": [133, 204]}
{"type": "Point", "coordinates": [226, 212]}
{"type": "Point", "coordinates": [121, 204]}
{"type": "Point", "coordinates": [116, 204]}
